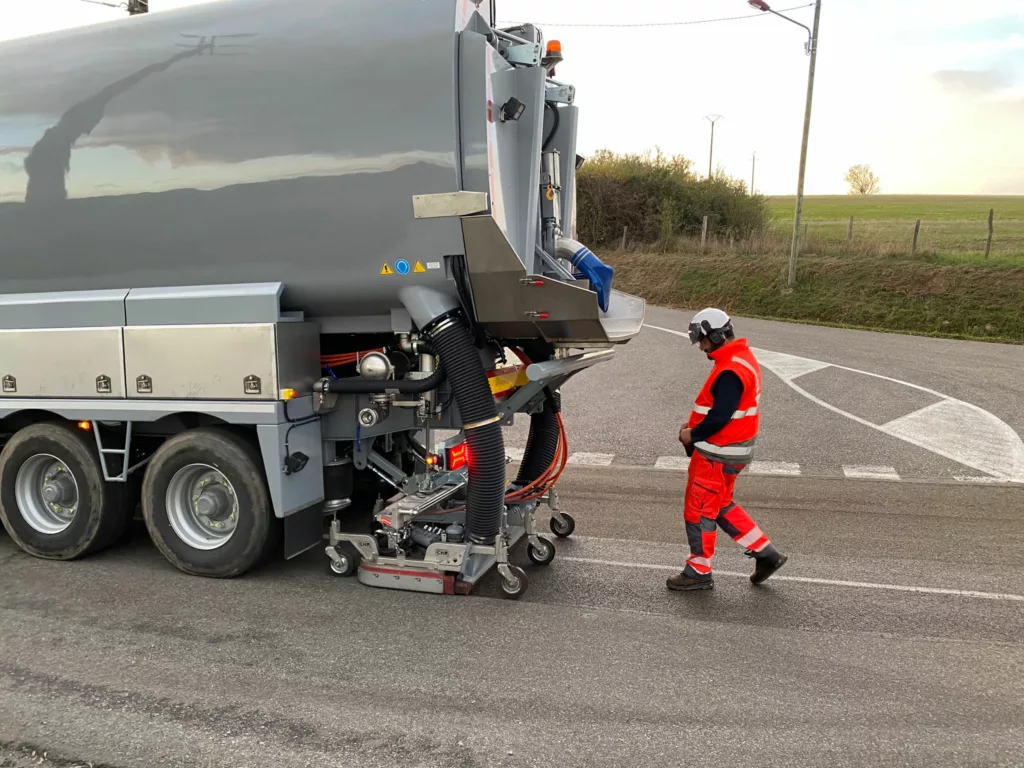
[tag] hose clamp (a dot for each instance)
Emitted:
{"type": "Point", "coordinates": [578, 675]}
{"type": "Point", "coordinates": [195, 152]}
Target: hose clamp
{"type": "Point", "coordinates": [442, 323]}
{"type": "Point", "coordinates": [484, 423]}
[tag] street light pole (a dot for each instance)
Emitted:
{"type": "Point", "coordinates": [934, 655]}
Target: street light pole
{"type": "Point", "coordinates": [812, 50]}
{"type": "Point", "coordinates": [134, 7]}
{"type": "Point", "coordinates": [712, 119]}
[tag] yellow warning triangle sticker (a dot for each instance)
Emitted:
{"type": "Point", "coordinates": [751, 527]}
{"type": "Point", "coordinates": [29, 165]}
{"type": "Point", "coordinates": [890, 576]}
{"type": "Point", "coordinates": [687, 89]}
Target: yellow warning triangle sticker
{"type": "Point", "coordinates": [419, 268]}
{"type": "Point", "coordinates": [386, 270]}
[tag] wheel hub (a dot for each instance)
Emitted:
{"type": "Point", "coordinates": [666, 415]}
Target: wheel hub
{"type": "Point", "coordinates": [59, 489]}
{"type": "Point", "coordinates": [202, 506]}
{"type": "Point", "coordinates": [46, 493]}
{"type": "Point", "coordinates": [214, 504]}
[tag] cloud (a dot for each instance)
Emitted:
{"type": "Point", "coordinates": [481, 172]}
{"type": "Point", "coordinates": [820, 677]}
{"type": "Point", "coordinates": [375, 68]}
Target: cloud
{"type": "Point", "coordinates": [970, 82]}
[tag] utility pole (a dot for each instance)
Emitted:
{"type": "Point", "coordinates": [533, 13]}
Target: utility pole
{"type": "Point", "coordinates": [795, 251]}
{"type": "Point", "coordinates": [712, 119]}
{"type": "Point", "coordinates": [811, 47]}
{"type": "Point", "coordinates": [753, 164]}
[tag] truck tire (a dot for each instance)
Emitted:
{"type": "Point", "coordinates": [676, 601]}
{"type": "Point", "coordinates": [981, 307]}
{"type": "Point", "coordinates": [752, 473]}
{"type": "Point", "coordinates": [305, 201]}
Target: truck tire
{"type": "Point", "coordinates": [54, 501]}
{"type": "Point", "coordinates": [206, 504]}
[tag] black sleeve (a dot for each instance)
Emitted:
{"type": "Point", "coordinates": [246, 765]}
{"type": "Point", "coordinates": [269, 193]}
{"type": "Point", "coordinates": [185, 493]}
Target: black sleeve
{"type": "Point", "coordinates": [727, 391]}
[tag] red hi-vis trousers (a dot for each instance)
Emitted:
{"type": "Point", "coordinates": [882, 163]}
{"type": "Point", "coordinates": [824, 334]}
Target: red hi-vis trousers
{"type": "Point", "coordinates": [709, 504]}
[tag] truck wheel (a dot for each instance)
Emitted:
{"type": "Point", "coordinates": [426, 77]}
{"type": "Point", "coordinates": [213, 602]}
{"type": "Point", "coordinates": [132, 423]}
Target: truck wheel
{"type": "Point", "coordinates": [206, 505]}
{"type": "Point", "coordinates": [54, 501]}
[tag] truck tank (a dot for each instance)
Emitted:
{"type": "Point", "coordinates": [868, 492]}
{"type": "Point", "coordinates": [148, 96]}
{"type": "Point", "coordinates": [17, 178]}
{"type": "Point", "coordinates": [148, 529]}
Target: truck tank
{"type": "Point", "coordinates": [254, 141]}
{"type": "Point", "coordinates": [235, 141]}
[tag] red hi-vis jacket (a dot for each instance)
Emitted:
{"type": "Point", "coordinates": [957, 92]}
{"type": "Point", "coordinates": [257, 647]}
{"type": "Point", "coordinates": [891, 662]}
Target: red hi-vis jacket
{"type": "Point", "coordinates": [734, 443]}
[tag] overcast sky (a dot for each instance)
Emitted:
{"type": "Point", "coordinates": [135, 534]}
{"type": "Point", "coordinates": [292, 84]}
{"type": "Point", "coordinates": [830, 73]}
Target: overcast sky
{"type": "Point", "coordinates": [930, 93]}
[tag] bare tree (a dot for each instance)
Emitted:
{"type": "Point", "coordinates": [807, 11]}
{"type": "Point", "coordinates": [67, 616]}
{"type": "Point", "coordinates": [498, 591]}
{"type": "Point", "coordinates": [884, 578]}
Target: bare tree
{"type": "Point", "coordinates": [862, 180]}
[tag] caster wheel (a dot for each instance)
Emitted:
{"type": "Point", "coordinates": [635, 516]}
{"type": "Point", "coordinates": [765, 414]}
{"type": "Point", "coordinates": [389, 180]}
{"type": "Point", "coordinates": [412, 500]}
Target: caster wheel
{"type": "Point", "coordinates": [349, 560]}
{"type": "Point", "coordinates": [517, 587]}
{"type": "Point", "coordinates": [563, 530]}
{"type": "Point", "coordinates": [543, 554]}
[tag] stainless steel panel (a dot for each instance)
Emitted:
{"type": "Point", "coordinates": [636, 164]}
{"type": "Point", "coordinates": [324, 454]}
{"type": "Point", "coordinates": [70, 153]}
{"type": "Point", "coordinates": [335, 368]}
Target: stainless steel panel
{"type": "Point", "coordinates": [509, 305]}
{"type": "Point", "coordinates": [203, 362]}
{"type": "Point", "coordinates": [449, 204]}
{"type": "Point", "coordinates": [298, 356]}
{"type": "Point", "coordinates": [62, 362]}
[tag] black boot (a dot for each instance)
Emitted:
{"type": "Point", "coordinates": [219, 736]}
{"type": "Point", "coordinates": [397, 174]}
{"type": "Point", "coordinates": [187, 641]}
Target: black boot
{"type": "Point", "coordinates": [769, 560]}
{"type": "Point", "coordinates": [683, 583]}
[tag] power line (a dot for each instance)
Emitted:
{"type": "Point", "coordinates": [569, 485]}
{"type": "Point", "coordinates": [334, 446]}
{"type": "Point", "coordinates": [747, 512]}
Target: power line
{"type": "Point", "coordinates": [659, 23]}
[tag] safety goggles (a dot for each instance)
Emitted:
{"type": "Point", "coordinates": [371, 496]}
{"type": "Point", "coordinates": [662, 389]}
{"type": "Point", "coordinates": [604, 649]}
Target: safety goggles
{"type": "Point", "coordinates": [695, 332]}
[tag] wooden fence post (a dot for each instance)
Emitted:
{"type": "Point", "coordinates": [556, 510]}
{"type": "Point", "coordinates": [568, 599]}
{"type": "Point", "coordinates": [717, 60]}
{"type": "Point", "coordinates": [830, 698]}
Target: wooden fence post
{"type": "Point", "coordinates": [849, 235]}
{"type": "Point", "coordinates": [917, 230]}
{"type": "Point", "coordinates": [704, 233]}
{"type": "Point", "coordinates": [988, 245]}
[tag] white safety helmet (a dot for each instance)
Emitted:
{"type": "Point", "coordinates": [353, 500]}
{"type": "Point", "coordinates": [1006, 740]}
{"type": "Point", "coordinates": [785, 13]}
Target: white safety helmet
{"type": "Point", "coordinates": [710, 322]}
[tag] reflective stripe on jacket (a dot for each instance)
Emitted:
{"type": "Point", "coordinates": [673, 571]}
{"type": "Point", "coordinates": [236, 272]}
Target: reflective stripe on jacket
{"type": "Point", "coordinates": [734, 443]}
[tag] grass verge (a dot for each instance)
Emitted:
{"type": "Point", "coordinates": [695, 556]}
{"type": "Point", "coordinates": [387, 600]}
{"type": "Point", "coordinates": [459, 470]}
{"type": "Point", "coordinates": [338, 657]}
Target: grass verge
{"type": "Point", "coordinates": [872, 292]}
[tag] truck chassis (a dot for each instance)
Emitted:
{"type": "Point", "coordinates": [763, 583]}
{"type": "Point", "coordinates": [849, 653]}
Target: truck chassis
{"type": "Point", "coordinates": [201, 405]}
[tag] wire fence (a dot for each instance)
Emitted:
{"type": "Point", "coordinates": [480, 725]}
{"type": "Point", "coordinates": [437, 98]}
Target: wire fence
{"type": "Point", "coordinates": [982, 239]}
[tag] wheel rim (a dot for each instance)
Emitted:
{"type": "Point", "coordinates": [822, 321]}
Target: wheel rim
{"type": "Point", "coordinates": [202, 507]}
{"type": "Point", "coordinates": [47, 494]}
{"type": "Point", "coordinates": [339, 567]}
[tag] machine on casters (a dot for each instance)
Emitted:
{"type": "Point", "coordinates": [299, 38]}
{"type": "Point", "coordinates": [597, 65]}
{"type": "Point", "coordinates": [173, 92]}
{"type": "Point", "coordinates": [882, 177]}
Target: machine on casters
{"type": "Point", "coordinates": [418, 541]}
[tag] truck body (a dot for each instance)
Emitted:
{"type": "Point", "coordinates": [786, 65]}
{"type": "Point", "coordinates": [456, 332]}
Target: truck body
{"type": "Point", "coordinates": [256, 254]}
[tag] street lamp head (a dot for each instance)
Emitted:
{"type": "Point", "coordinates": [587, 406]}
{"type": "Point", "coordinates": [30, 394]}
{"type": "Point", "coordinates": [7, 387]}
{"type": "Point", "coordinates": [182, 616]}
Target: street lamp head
{"type": "Point", "coordinates": [760, 5]}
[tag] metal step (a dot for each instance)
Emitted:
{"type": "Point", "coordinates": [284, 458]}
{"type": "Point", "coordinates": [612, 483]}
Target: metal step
{"type": "Point", "coordinates": [398, 513]}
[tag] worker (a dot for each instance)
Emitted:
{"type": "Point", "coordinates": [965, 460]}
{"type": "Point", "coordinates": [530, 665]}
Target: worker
{"type": "Point", "coordinates": [719, 439]}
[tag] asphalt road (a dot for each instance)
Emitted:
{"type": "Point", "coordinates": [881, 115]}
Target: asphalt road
{"type": "Point", "coordinates": [915, 659]}
{"type": "Point", "coordinates": [629, 410]}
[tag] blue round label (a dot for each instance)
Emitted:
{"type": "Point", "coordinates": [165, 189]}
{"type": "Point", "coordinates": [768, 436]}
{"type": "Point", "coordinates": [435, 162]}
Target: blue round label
{"type": "Point", "coordinates": [402, 267]}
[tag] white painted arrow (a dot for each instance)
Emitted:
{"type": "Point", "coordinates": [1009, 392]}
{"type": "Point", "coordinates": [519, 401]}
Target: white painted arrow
{"type": "Point", "coordinates": [952, 428]}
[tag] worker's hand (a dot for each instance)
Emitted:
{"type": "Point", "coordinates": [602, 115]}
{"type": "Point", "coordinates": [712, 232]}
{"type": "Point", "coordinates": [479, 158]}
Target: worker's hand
{"type": "Point", "coordinates": [684, 436]}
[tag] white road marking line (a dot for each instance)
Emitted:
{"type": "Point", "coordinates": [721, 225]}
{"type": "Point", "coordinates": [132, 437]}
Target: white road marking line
{"type": "Point", "coordinates": [871, 473]}
{"type": "Point", "coordinates": [981, 480]}
{"type": "Point", "coordinates": [672, 462]}
{"type": "Point", "coordinates": [591, 459]}
{"type": "Point", "coordinates": [792, 469]}
{"type": "Point", "coordinates": [809, 580]}
{"type": "Point", "coordinates": [783, 468]}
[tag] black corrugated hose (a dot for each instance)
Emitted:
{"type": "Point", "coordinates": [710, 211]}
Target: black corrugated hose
{"type": "Point", "coordinates": [542, 442]}
{"type": "Point", "coordinates": [485, 498]}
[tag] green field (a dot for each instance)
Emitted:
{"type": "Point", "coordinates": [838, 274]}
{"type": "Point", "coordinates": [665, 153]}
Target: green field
{"type": "Point", "coordinates": [954, 229]}
{"type": "Point", "coordinates": [899, 207]}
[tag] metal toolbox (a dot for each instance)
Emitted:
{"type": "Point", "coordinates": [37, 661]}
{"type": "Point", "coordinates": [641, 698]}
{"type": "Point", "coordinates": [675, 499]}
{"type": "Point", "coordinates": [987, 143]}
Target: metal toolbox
{"type": "Point", "coordinates": [62, 363]}
{"type": "Point", "coordinates": [245, 361]}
